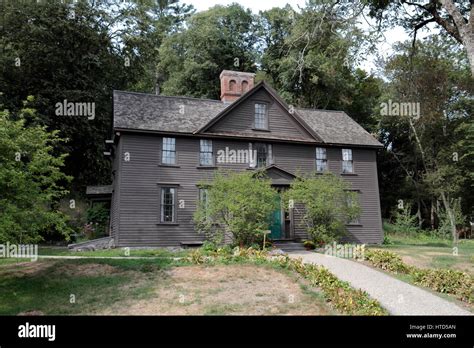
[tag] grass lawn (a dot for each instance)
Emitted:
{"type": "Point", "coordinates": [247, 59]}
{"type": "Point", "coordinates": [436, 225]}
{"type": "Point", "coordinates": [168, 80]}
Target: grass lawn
{"type": "Point", "coordinates": [154, 287]}
{"type": "Point", "coordinates": [427, 252]}
{"type": "Point", "coordinates": [158, 252]}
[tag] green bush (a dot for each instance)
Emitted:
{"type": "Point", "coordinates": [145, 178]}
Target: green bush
{"type": "Point", "coordinates": [404, 222]}
{"type": "Point", "coordinates": [98, 215]}
{"type": "Point", "coordinates": [31, 180]}
{"type": "Point", "coordinates": [328, 205]}
{"type": "Point", "coordinates": [308, 244]}
{"type": "Point", "coordinates": [386, 260]}
{"type": "Point", "coordinates": [238, 204]}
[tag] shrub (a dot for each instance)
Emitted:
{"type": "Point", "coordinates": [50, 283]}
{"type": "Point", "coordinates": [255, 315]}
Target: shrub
{"type": "Point", "coordinates": [446, 281]}
{"type": "Point", "coordinates": [30, 180]}
{"type": "Point", "coordinates": [98, 215]}
{"type": "Point", "coordinates": [386, 260]}
{"type": "Point", "coordinates": [328, 205]}
{"type": "Point", "coordinates": [339, 293]}
{"type": "Point", "coordinates": [239, 204]}
{"type": "Point", "coordinates": [404, 221]}
{"type": "Point", "coordinates": [308, 244]}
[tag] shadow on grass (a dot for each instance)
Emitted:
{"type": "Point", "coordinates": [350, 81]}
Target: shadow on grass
{"type": "Point", "coordinates": [62, 288]}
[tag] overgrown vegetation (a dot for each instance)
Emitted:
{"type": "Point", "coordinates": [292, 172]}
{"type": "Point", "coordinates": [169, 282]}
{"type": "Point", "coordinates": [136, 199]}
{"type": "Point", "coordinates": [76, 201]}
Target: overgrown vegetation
{"type": "Point", "coordinates": [238, 205]}
{"type": "Point", "coordinates": [328, 205]}
{"type": "Point", "coordinates": [30, 180]}
{"type": "Point", "coordinates": [98, 216]}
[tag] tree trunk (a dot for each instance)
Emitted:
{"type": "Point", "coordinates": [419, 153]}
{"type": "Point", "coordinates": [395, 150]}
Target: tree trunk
{"type": "Point", "coordinates": [451, 218]}
{"type": "Point", "coordinates": [418, 213]}
{"type": "Point", "coordinates": [432, 215]}
{"type": "Point", "coordinates": [464, 28]}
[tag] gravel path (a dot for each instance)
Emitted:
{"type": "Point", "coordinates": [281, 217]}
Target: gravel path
{"type": "Point", "coordinates": [398, 297]}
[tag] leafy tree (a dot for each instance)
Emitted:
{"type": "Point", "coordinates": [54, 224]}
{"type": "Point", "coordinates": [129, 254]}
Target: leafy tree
{"type": "Point", "coordinates": [213, 40]}
{"type": "Point", "coordinates": [423, 152]}
{"type": "Point", "coordinates": [80, 52]}
{"type": "Point", "coordinates": [308, 57]}
{"type": "Point", "coordinates": [328, 205]}
{"type": "Point", "coordinates": [30, 180]}
{"type": "Point", "coordinates": [455, 17]}
{"type": "Point", "coordinates": [239, 205]}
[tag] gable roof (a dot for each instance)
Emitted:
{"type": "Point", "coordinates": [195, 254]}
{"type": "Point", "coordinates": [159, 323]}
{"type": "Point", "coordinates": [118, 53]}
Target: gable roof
{"type": "Point", "coordinates": [190, 116]}
{"type": "Point", "coordinates": [276, 97]}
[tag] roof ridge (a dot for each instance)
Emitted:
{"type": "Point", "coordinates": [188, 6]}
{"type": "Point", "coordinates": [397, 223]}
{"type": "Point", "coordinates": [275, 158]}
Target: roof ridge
{"type": "Point", "coordinates": [168, 96]}
{"type": "Point", "coordinates": [327, 110]}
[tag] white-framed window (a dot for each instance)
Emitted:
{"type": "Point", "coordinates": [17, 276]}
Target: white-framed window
{"type": "Point", "coordinates": [205, 155]}
{"type": "Point", "coordinates": [347, 163]}
{"type": "Point", "coordinates": [261, 116]}
{"type": "Point", "coordinates": [204, 198]}
{"type": "Point", "coordinates": [264, 155]}
{"type": "Point", "coordinates": [351, 200]}
{"type": "Point", "coordinates": [168, 205]}
{"type": "Point", "coordinates": [168, 151]}
{"type": "Point", "coordinates": [321, 159]}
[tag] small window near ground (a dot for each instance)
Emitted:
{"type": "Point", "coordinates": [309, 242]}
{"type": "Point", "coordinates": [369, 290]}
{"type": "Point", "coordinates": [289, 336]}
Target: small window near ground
{"type": "Point", "coordinates": [351, 200]}
{"type": "Point", "coordinates": [261, 119]}
{"type": "Point", "coordinates": [168, 152]}
{"type": "Point", "coordinates": [205, 155]}
{"type": "Point", "coordinates": [204, 198]}
{"type": "Point", "coordinates": [347, 163]}
{"type": "Point", "coordinates": [168, 204]}
{"type": "Point", "coordinates": [321, 160]}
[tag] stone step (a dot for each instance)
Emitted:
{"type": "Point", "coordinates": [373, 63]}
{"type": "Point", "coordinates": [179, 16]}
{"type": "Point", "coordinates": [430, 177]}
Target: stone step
{"type": "Point", "coordinates": [289, 246]}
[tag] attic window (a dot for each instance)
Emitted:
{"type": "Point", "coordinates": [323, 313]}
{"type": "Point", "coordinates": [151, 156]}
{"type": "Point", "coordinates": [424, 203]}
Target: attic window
{"type": "Point", "coordinates": [261, 116]}
{"type": "Point", "coordinates": [245, 86]}
{"type": "Point", "coordinates": [232, 84]}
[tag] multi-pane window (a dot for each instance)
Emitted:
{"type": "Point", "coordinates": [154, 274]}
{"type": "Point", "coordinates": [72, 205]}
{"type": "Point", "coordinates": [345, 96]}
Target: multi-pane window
{"type": "Point", "coordinates": [347, 164]}
{"type": "Point", "coordinates": [168, 152]}
{"type": "Point", "coordinates": [205, 155]}
{"type": "Point", "coordinates": [321, 159]}
{"type": "Point", "coordinates": [204, 198]}
{"type": "Point", "coordinates": [351, 201]}
{"type": "Point", "coordinates": [261, 121]}
{"type": "Point", "coordinates": [168, 204]}
{"type": "Point", "coordinates": [264, 154]}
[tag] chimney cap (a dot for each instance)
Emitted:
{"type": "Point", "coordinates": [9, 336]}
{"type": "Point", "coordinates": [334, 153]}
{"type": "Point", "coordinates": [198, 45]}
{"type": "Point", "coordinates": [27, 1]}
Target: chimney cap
{"type": "Point", "coordinates": [236, 73]}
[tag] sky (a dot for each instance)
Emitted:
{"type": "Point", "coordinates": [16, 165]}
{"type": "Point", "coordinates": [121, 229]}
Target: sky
{"type": "Point", "coordinates": [384, 48]}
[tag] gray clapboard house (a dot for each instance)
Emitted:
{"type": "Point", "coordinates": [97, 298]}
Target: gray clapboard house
{"type": "Point", "coordinates": [163, 147]}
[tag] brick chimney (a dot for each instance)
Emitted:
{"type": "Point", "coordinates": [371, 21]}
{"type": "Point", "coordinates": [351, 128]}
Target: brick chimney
{"type": "Point", "coordinates": [234, 84]}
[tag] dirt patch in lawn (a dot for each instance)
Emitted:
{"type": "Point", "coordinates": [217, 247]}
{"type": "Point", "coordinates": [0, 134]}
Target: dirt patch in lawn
{"type": "Point", "coordinates": [24, 268]}
{"type": "Point", "coordinates": [229, 289]}
{"type": "Point", "coordinates": [89, 269]}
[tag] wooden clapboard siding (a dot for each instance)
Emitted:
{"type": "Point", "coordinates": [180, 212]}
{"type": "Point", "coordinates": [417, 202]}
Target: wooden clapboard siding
{"type": "Point", "coordinates": [136, 200]}
{"type": "Point", "coordinates": [242, 120]}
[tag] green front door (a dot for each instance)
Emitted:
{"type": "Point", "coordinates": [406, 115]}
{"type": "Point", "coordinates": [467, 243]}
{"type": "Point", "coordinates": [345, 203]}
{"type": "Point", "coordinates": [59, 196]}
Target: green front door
{"type": "Point", "coordinates": [275, 226]}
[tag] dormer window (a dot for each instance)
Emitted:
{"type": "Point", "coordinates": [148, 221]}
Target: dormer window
{"type": "Point", "coordinates": [261, 116]}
